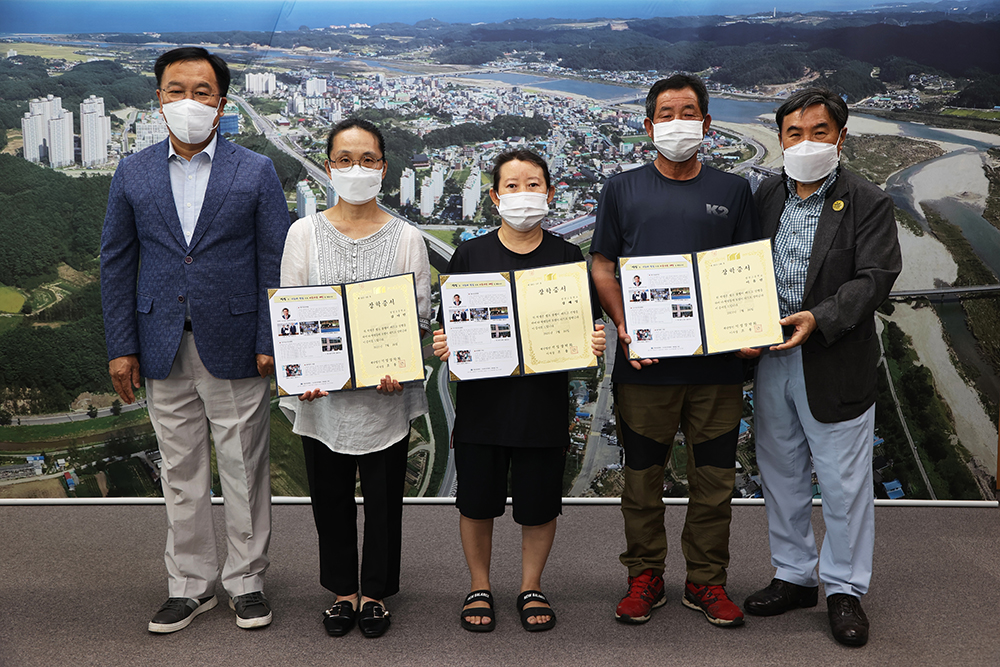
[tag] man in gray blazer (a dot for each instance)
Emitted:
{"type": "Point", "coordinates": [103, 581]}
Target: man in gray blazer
{"type": "Point", "coordinates": [836, 257]}
{"type": "Point", "coordinates": [192, 237]}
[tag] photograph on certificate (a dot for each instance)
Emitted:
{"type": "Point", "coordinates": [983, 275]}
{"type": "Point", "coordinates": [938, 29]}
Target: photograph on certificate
{"type": "Point", "coordinates": [307, 328]}
{"type": "Point", "coordinates": [384, 331]}
{"type": "Point", "coordinates": [739, 297]}
{"type": "Point", "coordinates": [661, 310]}
{"type": "Point", "coordinates": [554, 318]}
{"type": "Point", "coordinates": [478, 315]}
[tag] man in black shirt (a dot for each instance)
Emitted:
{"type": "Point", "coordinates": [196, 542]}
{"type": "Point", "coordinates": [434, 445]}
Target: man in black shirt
{"type": "Point", "coordinates": [674, 205]}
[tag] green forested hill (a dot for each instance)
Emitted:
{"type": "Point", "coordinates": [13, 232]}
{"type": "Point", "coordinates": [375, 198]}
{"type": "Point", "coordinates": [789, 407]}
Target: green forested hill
{"type": "Point", "coordinates": [52, 366]}
{"type": "Point", "coordinates": [47, 218]}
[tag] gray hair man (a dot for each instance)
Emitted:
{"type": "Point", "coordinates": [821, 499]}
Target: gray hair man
{"type": "Point", "coordinates": [836, 257]}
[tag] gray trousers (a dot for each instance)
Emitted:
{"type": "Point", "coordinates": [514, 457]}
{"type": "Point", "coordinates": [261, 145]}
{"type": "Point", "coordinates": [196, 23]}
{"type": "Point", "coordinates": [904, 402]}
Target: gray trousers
{"type": "Point", "coordinates": [184, 408]}
{"type": "Point", "coordinates": [790, 444]}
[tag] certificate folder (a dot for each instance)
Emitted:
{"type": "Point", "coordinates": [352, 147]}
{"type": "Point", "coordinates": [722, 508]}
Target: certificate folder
{"type": "Point", "coordinates": [518, 322]}
{"type": "Point", "coordinates": [709, 302]}
{"type": "Point", "coordinates": [347, 336]}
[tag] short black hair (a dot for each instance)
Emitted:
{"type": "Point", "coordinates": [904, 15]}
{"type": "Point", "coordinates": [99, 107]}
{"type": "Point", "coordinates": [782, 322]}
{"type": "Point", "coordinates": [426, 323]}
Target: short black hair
{"type": "Point", "coordinates": [219, 65]}
{"type": "Point", "coordinates": [834, 104]}
{"type": "Point", "coordinates": [523, 155]}
{"type": "Point", "coordinates": [359, 123]}
{"type": "Point", "coordinates": [677, 82]}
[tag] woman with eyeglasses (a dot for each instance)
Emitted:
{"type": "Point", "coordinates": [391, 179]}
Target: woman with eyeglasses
{"type": "Point", "coordinates": [367, 430]}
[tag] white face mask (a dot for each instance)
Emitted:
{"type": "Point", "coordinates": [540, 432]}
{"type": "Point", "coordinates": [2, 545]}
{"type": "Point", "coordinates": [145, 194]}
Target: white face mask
{"type": "Point", "coordinates": [191, 122]}
{"type": "Point", "coordinates": [523, 211]}
{"type": "Point", "coordinates": [356, 185]}
{"type": "Point", "coordinates": [810, 161]}
{"type": "Point", "coordinates": [678, 140]}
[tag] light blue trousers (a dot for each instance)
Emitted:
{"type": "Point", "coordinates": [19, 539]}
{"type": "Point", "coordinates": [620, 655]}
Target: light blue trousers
{"type": "Point", "coordinates": [787, 436]}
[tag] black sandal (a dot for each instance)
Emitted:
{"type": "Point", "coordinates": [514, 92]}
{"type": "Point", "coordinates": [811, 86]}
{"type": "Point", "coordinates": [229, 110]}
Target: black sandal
{"type": "Point", "coordinates": [478, 596]}
{"type": "Point", "coordinates": [530, 612]}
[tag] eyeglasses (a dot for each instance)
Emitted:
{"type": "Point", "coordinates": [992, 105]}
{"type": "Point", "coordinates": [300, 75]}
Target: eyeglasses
{"type": "Point", "coordinates": [344, 163]}
{"type": "Point", "coordinates": [176, 94]}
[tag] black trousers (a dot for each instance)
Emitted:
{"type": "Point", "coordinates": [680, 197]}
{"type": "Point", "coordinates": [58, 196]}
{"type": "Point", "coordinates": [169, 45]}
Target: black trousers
{"type": "Point", "coordinates": [331, 485]}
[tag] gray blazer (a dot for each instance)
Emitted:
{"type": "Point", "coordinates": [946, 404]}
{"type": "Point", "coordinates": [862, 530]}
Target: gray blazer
{"type": "Point", "coordinates": [854, 262]}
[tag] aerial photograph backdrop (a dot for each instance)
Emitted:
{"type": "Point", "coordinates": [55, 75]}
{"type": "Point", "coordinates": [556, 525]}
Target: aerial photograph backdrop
{"type": "Point", "coordinates": [451, 85]}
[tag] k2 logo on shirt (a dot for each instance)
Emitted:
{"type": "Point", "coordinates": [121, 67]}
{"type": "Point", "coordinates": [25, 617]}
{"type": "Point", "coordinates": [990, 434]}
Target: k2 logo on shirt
{"type": "Point", "coordinates": [714, 209]}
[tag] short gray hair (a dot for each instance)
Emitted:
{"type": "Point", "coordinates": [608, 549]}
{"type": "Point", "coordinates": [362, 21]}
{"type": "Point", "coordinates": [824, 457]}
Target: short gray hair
{"type": "Point", "coordinates": [834, 104]}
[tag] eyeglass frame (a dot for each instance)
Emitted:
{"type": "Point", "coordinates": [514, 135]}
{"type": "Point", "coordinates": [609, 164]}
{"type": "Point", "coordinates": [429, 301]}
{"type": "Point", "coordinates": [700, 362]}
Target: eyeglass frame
{"type": "Point", "coordinates": [334, 166]}
{"type": "Point", "coordinates": [186, 95]}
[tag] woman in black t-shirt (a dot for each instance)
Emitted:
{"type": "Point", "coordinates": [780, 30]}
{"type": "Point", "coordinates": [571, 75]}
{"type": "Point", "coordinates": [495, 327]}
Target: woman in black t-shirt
{"type": "Point", "coordinates": [517, 423]}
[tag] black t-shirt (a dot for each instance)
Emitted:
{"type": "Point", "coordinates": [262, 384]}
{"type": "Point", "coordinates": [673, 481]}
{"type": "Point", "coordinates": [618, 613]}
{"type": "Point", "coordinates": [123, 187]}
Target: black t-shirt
{"type": "Point", "coordinates": [530, 411]}
{"type": "Point", "coordinates": [642, 212]}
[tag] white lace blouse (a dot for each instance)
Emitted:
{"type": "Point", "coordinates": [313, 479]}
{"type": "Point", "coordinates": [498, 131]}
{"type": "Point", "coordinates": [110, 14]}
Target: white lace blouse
{"type": "Point", "coordinates": [360, 421]}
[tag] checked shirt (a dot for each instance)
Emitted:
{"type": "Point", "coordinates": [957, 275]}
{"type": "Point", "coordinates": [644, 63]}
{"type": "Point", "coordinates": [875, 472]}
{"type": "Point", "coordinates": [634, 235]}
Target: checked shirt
{"type": "Point", "coordinates": [793, 243]}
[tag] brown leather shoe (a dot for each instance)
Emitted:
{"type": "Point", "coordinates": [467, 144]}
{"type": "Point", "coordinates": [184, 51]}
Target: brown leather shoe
{"type": "Point", "coordinates": [847, 619]}
{"type": "Point", "coordinates": [780, 596]}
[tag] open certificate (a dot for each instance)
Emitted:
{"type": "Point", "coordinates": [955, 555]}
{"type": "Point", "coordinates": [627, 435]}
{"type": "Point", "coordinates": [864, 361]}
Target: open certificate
{"type": "Point", "coordinates": [337, 337]}
{"type": "Point", "coordinates": [555, 318]}
{"type": "Point", "coordinates": [384, 330]}
{"type": "Point", "coordinates": [715, 301]}
{"type": "Point", "coordinates": [518, 322]}
{"type": "Point", "coordinates": [479, 319]}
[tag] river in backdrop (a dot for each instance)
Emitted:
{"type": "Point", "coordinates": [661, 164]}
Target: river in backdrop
{"type": "Point", "coordinates": [982, 236]}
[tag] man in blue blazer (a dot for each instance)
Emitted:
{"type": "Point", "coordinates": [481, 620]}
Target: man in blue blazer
{"type": "Point", "coordinates": [192, 238]}
{"type": "Point", "coordinates": [836, 257]}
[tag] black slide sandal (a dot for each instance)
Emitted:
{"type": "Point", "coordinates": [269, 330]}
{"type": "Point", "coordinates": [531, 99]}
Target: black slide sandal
{"type": "Point", "coordinates": [526, 613]}
{"type": "Point", "coordinates": [478, 596]}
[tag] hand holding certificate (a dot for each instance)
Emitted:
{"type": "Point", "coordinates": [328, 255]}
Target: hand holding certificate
{"type": "Point", "coordinates": [518, 322]}
{"type": "Point", "coordinates": [348, 336]}
{"type": "Point", "coordinates": [715, 301]}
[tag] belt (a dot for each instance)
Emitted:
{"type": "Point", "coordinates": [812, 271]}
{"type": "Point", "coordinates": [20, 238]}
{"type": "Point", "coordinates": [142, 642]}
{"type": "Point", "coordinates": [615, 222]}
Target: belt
{"type": "Point", "coordinates": [187, 325]}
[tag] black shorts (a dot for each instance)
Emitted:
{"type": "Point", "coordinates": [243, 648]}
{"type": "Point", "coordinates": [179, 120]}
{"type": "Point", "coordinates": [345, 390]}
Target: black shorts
{"type": "Point", "coordinates": [536, 476]}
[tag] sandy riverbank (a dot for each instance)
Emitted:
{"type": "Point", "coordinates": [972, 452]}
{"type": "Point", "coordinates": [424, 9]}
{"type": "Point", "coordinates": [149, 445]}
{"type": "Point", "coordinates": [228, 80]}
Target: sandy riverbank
{"type": "Point", "coordinates": [857, 125]}
{"type": "Point", "coordinates": [973, 426]}
{"type": "Point", "coordinates": [925, 259]}
{"type": "Point", "coordinates": [959, 175]}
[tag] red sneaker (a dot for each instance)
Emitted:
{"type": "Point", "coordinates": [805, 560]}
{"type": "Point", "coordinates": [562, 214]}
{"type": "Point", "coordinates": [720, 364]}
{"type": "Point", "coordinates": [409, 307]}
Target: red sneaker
{"type": "Point", "coordinates": [713, 601]}
{"type": "Point", "coordinates": [645, 593]}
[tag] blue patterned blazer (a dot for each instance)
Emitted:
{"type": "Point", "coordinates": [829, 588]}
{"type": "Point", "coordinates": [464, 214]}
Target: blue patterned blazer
{"type": "Point", "coordinates": [149, 274]}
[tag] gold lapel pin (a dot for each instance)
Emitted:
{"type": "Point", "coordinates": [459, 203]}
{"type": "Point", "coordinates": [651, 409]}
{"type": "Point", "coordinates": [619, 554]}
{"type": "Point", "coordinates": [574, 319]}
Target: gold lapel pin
{"type": "Point", "coordinates": [839, 205]}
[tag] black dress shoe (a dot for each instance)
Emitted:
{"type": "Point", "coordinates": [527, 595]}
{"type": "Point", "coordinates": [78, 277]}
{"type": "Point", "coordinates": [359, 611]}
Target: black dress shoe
{"type": "Point", "coordinates": [340, 618]}
{"type": "Point", "coordinates": [779, 597]}
{"type": "Point", "coordinates": [373, 619]}
{"type": "Point", "coordinates": [847, 619]}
